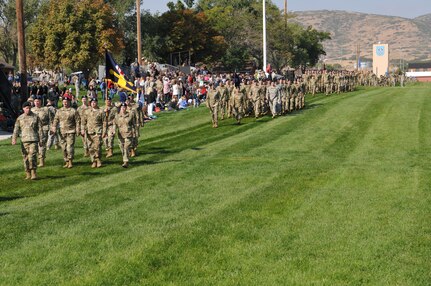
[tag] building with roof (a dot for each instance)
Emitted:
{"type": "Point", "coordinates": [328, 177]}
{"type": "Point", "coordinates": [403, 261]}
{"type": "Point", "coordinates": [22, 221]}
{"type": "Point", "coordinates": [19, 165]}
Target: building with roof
{"type": "Point", "coordinates": [420, 71]}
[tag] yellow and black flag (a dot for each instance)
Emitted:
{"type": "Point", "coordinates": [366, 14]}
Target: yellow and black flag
{"type": "Point", "coordinates": [114, 73]}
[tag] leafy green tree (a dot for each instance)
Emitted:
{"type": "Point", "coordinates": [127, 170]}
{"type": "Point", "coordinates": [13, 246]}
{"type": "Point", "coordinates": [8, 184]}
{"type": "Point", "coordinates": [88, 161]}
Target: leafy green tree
{"type": "Point", "coordinates": [189, 30]}
{"type": "Point", "coordinates": [289, 44]}
{"type": "Point", "coordinates": [307, 47]}
{"type": "Point", "coordinates": [74, 34]}
{"type": "Point", "coordinates": [240, 22]}
{"type": "Point", "coordinates": [123, 9]}
{"type": "Point", "coordinates": [153, 41]}
{"type": "Point", "coordinates": [8, 38]}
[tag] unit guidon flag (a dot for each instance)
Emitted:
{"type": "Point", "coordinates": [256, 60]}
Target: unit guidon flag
{"type": "Point", "coordinates": [114, 73]}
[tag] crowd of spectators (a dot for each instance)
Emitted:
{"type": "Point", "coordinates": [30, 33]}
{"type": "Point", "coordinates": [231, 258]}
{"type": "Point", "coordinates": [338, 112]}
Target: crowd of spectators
{"type": "Point", "coordinates": [156, 90]}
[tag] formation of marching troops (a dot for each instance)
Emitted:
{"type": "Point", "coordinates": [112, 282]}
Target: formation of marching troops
{"type": "Point", "coordinates": [40, 126]}
{"type": "Point", "coordinates": [253, 97]}
{"type": "Point", "coordinates": [345, 81]}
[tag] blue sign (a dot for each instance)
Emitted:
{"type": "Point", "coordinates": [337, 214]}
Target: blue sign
{"type": "Point", "coordinates": [380, 51]}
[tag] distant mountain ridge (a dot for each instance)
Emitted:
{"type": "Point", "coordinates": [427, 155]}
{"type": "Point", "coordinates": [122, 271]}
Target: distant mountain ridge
{"type": "Point", "coordinates": [408, 39]}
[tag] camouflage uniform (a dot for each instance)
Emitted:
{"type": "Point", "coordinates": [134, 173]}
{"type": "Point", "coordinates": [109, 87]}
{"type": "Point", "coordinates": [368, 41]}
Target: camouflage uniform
{"type": "Point", "coordinates": [288, 88]}
{"type": "Point", "coordinates": [238, 103]}
{"type": "Point", "coordinates": [248, 106]}
{"type": "Point", "coordinates": [256, 99]}
{"type": "Point", "coordinates": [223, 92]}
{"type": "Point", "coordinates": [213, 100]}
{"type": "Point", "coordinates": [299, 95]}
{"type": "Point", "coordinates": [52, 138]}
{"type": "Point", "coordinates": [29, 128]}
{"type": "Point", "coordinates": [313, 85]}
{"type": "Point", "coordinates": [272, 94]}
{"type": "Point", "coordinates": [137, 111]}
{"type": "Point", "coordinates": [93, 126]}
{"type": "Point", "coordinates": [230, 88]}
{"type": "Point", "coordinates": [69, 121]}
{"type": "Point", "coordinates": [327, 83]}
{"type": "Point", "coordinates": [110, 113]}
{"type": "Point", "coordinates": [81, 110]}
{"type": "Point", "coordinates": [293, 95]}
{"type": "Point", "coordinates": [44, 115]}
{"type": "Point", "coordinates": [125, 123]}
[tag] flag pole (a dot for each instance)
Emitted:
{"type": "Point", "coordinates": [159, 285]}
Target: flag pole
{"type": "Point", "coordinates": [138, 29]}
{"type": "Point", "coordinates": [264, 35]}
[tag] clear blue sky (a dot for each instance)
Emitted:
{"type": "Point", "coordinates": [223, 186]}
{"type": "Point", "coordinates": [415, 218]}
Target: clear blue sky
{"type": "Point", "coordinates": [402, 8]}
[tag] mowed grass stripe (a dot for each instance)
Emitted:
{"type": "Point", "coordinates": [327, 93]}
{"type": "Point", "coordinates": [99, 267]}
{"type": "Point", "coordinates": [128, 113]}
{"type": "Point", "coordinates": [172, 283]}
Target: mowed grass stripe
{"type": "Point", "coordinates": [231, 243]}
{"type": "Point", "coordinates": [247, 203]}
{"type": "Point", "coordinates": [160, 262]}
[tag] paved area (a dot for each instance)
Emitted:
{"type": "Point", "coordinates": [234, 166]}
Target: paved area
{"type": "Point", "coordinates": [5, 135]}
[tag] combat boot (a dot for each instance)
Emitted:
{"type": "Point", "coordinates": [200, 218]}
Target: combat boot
{"type": "Point", "coordinates": [41, 162]}
{"type": "Point", "coordinates": [70, 165]}
{"type": "Point", "coordinates": [109, 153]}
{"type": "Point", "coordinates": [27, 174]}
{"type": "Point", "coordinates": [86, 153]}
{"type": "Point", "coordinates": [66, 164]}
{"type": "Point", "coordinates": [125, 164]}
{"type": "Point", "coordinates": [98, 163]}
{"type": "Point", "coordinates": [33, 174]}
{"type": "Point", "coordinates": [132, 153]}
{"type": "Point", "coordinates": [94, 164]}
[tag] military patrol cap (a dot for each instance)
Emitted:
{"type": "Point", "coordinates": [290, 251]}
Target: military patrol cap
{"type": "Point", "coordinates": [25, 104]}
{"type": "Point", "coordinates": [123, 104]}
{"type": "Point", "coordinates": [93, 99]}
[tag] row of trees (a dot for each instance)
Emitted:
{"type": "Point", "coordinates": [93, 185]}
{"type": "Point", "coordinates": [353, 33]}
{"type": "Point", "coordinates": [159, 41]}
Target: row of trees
{"type": "Point", "coordinates": [223, 33]}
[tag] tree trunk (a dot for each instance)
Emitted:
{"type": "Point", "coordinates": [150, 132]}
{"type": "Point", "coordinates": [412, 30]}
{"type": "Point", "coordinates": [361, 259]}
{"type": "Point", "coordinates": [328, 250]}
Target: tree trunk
{"type": "Point", "coordinates": [21, 48]}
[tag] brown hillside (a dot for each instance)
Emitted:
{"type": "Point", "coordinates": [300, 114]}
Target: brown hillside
{"type": "Point", "coordinates": [408, 39]}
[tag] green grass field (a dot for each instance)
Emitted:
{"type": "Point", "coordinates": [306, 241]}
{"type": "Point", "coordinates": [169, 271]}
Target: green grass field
{"type": "Point", "coordinates": [337, 194]}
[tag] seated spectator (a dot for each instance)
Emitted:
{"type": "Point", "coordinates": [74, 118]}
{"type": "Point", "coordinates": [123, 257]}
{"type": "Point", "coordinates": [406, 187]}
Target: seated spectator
{"type": "Point", "coordinates": [182, 103]}
{"type": "Point", "coordinates": [172, 105]}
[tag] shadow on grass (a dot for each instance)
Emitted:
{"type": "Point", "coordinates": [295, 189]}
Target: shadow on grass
{"type": "Point", "coordinates": [156, 150]}
{"type": "Point", "coordinates": [152, 151]}
{"type": "Point", "coordinates": [5, 199]}
{"type": "Point", "coordinates": [197, 148]}
{"type": "Point", "coordinates": [149, 162]}
{"type": "Point", "coordinates": [53, 177]}
{"type": "Point", "coordinates": [313, 105]}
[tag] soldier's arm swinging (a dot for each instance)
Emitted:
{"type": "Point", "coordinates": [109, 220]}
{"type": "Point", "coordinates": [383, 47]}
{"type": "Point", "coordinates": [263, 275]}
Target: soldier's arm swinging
{"type": "Point", "coordinates": [16, 132]}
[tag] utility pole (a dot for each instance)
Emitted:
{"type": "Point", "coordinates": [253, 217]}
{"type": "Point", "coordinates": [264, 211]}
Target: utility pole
{"type": "Point", "coordinates": [264, 36]}
{"type": "Point", "coordinates": [21, 48]}
{"type": "Point", "coordinates": [285, 13]}
{"type": "Point", "coordinates": [358, 54]}
{"type": "Point", "coordinates": [138, 29]}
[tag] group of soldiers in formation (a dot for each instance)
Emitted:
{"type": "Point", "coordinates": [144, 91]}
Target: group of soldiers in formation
{"type": "Point", "coordinates": [40, 126]}
{"type": "Point", "coordinates": [257, 97]}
